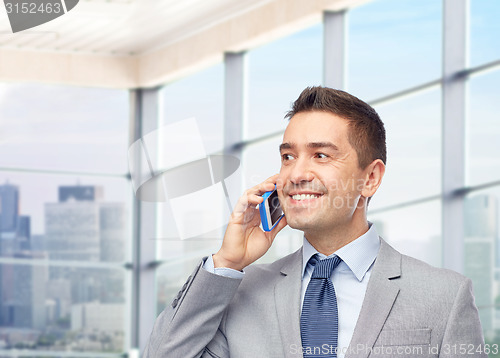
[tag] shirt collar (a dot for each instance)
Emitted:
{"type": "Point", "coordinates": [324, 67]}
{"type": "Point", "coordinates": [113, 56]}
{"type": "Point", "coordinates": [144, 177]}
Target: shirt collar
{"type": "Point", "coordinates": [358, 255]}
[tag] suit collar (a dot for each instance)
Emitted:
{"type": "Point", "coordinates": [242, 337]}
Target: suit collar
{"type": "Point", "coordinates": [287, 301]}
{"type": "Point", "coordinates": [291, 263]}
{"type": "Point", "coordinates": [379, 298]}
{"type": "Point", "coordinates": [388, 262]}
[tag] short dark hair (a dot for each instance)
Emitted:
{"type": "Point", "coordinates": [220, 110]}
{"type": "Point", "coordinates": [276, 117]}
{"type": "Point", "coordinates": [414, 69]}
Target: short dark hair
{"type": "Point", "coordinates": [366, 131]}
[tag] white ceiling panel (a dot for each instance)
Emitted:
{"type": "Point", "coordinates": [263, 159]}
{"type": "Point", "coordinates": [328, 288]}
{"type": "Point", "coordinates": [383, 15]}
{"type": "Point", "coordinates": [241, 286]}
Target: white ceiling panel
{"type": "Point", "coordinates": [121, 27]}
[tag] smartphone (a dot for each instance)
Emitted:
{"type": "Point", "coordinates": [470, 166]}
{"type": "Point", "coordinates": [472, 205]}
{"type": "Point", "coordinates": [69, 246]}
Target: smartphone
{"type": "Point", "coordinates": [270, 210]}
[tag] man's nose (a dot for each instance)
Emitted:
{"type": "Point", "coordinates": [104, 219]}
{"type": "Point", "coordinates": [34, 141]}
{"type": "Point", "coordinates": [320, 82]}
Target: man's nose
{"type": "Point", "coordinates": [301, 171]}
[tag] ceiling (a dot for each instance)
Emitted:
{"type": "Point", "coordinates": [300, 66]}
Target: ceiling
{"type": "Point", "coordinates": [144, 43]}
{"type": "Point", "coordinates": [123, 27]}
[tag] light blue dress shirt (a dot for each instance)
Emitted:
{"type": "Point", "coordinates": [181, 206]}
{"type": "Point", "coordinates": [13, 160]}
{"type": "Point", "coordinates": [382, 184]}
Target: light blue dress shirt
{"type": "Point", "coordinates": [350, 278]}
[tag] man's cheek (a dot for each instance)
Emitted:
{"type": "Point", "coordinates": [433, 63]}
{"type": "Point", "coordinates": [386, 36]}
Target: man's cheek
{"type": "Point", "coordinates": [280, 182]}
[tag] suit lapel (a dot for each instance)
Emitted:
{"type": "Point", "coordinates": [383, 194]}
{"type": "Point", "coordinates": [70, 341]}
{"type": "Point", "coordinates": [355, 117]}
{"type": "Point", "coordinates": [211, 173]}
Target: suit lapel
{"type": "Point", "coordinates": [287, 302]}
{"type": "Point", "coordinates": [380, 295]}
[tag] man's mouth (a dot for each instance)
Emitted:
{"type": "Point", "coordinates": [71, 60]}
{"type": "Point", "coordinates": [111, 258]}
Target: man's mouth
{"type": "Point", "coordinates": [300, 197]}
{"type": "Point", "coordinates": [304, 196]}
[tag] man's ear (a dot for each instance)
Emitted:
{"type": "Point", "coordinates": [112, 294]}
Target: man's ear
{"type": "Point", "coordinates": [373, 178]}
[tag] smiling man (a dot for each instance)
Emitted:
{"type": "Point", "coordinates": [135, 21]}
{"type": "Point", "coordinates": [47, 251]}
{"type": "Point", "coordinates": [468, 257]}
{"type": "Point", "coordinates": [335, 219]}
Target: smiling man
{"type": "Point", "coordinates": [345, 292]}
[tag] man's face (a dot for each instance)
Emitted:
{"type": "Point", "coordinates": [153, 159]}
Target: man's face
{"type": "Point", "coordinates": [320, 181]}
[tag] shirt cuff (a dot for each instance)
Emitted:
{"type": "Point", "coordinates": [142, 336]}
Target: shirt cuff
{"type": "Point", "coordinates": [221, 271]}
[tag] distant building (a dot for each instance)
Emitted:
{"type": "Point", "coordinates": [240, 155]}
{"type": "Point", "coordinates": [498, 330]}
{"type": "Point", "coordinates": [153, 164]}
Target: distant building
{"type": "Point", "coordinates": [14, 228]}
{"type": "Point", "coordinates": [72, 230]}
{"type": "Point", "coordinates": [80, 228]}
{"type": "Point", "coordinates": [58, 299]}
{"type": "Point", "coordinates": [24, 307]}
{"type": "Point", "coordinates": [9, 207]}
{"type": "Point", "coordinates": [24, 233]}
{"type": "Point", "coordinates": [97, 316]}
{"type": "Point", "coordinates": [112, 231]}
{"type": "Point", "coordinates": [80, 193]}
{"type": "Point", "coordinates": [15, 238]}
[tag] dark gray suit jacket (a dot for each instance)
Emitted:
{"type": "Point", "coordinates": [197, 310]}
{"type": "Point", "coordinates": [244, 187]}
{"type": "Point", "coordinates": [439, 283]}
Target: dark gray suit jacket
{"type": "Point", "coordinates": [410, 309]}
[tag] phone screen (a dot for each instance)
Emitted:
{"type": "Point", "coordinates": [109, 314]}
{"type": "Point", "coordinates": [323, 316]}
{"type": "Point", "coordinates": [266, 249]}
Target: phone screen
{"type": "Point", "coordinates": [274, 207]}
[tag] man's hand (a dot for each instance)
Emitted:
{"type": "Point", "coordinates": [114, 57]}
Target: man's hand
{"type": "Point", "coordinates": [244, 241]}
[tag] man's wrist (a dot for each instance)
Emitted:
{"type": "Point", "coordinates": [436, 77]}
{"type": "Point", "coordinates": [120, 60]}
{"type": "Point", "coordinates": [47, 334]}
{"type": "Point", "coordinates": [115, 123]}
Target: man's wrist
{"type": "Point", "coordinates": [220, 262]}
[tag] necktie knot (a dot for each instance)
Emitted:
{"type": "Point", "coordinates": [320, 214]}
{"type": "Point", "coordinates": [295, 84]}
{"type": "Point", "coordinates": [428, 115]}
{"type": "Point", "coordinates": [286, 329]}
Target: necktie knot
{"type": "Point", "coordinates": [324, 268]}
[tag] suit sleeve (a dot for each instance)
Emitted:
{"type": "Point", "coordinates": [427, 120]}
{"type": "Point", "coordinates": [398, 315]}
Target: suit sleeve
{"type": "Point", "coordinates": [192, 326]}
{"type": "Point", "coordinates": [463, 336]}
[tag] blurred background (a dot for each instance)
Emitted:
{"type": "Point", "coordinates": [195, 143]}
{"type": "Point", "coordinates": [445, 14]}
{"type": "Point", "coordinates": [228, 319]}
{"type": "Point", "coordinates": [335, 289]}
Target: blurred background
{"type": "Point", "coordinates": [85, 267]}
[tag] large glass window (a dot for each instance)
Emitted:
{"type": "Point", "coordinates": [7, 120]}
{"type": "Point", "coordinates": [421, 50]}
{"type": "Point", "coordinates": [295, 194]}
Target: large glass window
{"type": "Point", "coordinates": [200, 96]}
{"type": "Point", "coordinates": [483, 129]}
{"type": "Point", "coordinates": [484, 31]}
{"type": "Point", "coordinates": [51, 127]}
{"type": "Point", "coordinates": [414, 230]}
{"type": "Point", "coordinates": [65, 223]}
{"type": "Point", "coordinates": [182, 240]}
{"type": "Point", "coordinates": [482, 258]}
{"type": "Point", "coordinates": [481, 209]}
{"type": "Point", "coordinates": [393, 45]}
{"type": "Point", "coordinates": [413, 130]}
{"type": "Point", "coordinates": [277, 73]}
{"type": "Point", "coordinates": [261, 160]}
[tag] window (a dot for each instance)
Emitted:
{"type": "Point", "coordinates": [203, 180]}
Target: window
{"type": "Point", "coordinates": [413, 131]}
{"type": "Point", "coordinates": [65, 219]}
{"type": "Point", "coordinates": [393, 45]}
{"type": "Point", "coordinates": [277, 73]}
{"type": "Point", "coordinates": [484, 30]}
{"type": "Point", "coordinates": [482, 255]}
{"type": "Point", "coordinates": [413, 229]}
{"type": "Point", "coordinates": [483, 130]}
{"type": "Point", "coordinates": [200, 96]}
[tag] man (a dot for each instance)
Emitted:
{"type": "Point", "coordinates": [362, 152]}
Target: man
{"type": "Point", "coordinates": [376, 302]}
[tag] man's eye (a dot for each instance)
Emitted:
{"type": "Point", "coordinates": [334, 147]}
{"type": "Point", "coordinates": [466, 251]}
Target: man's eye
{"type": "Point", "coordinates": [286, 157]}
{"type": "Point", "coordinates": [321, 155]}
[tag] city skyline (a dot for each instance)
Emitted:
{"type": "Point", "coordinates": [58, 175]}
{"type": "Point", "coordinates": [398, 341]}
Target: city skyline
{"type": "Point", "coordinates": [40, 305]}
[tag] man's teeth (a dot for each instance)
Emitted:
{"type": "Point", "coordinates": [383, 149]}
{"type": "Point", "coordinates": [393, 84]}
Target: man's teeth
{"type": "Point", "coordinates": [304, 196]}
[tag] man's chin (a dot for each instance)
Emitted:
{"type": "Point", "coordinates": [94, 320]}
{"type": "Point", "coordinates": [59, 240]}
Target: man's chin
{"type": "Point", "coordinates": [300, 224]}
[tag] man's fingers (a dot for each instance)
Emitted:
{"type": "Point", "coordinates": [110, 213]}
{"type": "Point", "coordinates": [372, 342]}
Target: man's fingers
{"type": "Point", "coordinates": [265, 186]}
{"type": "Point", "coordinates": [246, 201]}
{"type": "Point", "coordinates": [253, 197]}
{"type": "Point", "coordinates": [261, 188]}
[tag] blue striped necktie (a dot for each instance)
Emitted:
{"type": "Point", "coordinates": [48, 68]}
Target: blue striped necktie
{"type": "Point", "coordinates": [319, 319]}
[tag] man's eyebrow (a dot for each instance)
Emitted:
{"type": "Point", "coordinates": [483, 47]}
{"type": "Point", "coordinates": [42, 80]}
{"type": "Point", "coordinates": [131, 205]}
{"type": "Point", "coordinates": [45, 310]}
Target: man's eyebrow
{"type": "Point", "coordinates": [322, 145]}
{"type": "Point", "coordinates": [330, 145]}
{"type": "Point", "coordinates": [286, 146]}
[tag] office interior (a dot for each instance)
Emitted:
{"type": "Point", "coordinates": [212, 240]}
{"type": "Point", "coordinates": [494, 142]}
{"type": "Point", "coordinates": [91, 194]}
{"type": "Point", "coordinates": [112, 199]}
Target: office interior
{"type": "Point", "coordinates": [97, 104]}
